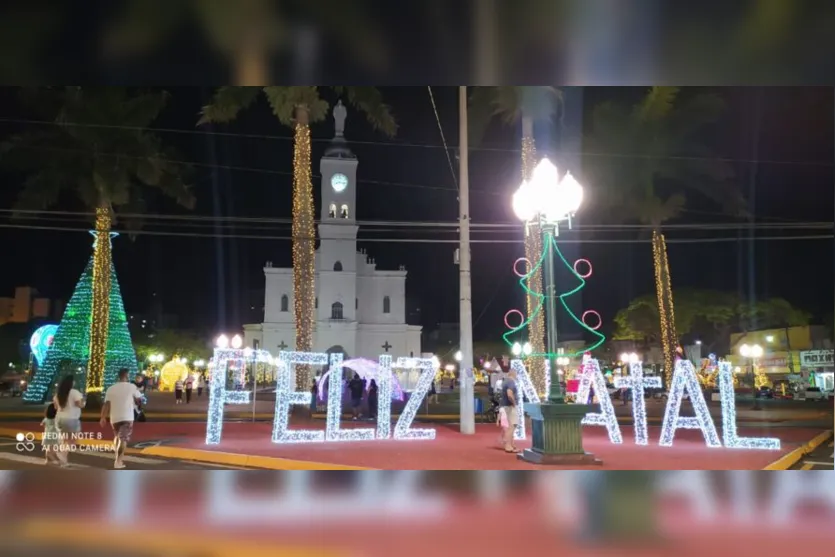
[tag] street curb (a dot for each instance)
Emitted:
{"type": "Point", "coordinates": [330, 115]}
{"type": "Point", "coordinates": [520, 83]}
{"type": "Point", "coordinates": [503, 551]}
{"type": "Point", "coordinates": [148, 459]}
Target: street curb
{"type": "Point", "coordinates": [77, 533]}
{"type": "Point", "coordinates": [242, 460]}
{"type": "Point", "coordinates": [788, 460]}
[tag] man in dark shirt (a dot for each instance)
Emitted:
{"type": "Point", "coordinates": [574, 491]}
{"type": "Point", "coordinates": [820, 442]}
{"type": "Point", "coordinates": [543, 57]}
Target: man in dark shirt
{"type": "Point", "coordinates": [356, 387]}
{"type": "Point", "coordinates": [510, 404]}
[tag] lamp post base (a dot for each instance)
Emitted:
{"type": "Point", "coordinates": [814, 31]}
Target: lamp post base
{"type": "Point", "coordinates": [558, 436]}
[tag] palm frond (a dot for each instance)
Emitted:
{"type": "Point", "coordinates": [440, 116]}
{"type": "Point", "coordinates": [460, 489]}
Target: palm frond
{"type": "Point", "coordinates": [227, 102]}
{"type": "Point", "coordinates": [369, 101]}
{"type": "Point", "coordinates": [480, 113]}
{"type": "Point", "coordinates": [657, 104]}
{"type": "Point", "coordinates": [141, 110]}
{"type": "Point", "coordinates": [284, 100]}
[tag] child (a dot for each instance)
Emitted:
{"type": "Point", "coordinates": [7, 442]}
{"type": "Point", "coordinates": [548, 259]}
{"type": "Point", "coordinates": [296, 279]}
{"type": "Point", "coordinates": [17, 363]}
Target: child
{"type": "Point", "coordinates": [501, 421]}
{"type": "Point", "coordinates": [50, 443]}
{"type": "Point", "coordinates": [313, 393]}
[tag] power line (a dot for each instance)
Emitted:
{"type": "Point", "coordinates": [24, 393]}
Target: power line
{"type": "Point", "coordinates": [443, 139]}
{"type": "Point", "coordinates": [508, 150]}
{"type": "Point", "coordinates": [422, 240]}
{"type": "Point", "coordinates": [494, 226]}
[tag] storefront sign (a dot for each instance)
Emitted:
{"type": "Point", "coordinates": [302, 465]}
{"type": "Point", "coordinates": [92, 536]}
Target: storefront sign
{"type": "Point", "coordinates": [774, 362]}
{"type": "Point", "coordinates": [816, 358]}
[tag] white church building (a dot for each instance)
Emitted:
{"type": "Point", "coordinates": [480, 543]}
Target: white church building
{"type": "Point", "coordinates": [360, 310]}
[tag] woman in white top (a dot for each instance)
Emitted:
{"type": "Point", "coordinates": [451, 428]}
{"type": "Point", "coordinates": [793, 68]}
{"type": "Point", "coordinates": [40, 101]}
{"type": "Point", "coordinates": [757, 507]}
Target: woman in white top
{"type": "Point", "coordinates": [68, 403]}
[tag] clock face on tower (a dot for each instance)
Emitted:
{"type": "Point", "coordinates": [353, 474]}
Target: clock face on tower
{"type": "Point", "coordinates": [339, 182]}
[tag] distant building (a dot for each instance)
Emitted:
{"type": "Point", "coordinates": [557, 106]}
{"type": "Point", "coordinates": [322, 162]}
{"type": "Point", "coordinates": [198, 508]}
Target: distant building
{"type": "Point", "coordinates": [27, 305]}
{"type": "Point", "coordinates": [788, 353]}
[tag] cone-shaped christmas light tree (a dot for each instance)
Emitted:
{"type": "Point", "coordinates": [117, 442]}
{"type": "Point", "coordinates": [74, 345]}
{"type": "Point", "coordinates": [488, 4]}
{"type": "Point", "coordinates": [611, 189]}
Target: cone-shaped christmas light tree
{"type": "Point", "coordinates": [70, 350]}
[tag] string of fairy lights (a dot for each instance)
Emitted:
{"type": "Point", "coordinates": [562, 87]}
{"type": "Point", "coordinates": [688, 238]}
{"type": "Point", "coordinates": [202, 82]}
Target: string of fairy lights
{"type": "Point", "coordinates": [304, 249]}
{"type": "Point", "coordinates": [100, 312]}
{"type": "Point", "coordinates": [533, 251]}
{"type": "Point", "coordinates": [665, 310]}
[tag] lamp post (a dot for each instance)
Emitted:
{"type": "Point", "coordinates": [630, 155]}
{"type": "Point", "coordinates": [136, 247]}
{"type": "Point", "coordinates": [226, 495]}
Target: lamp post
{"type": "Point", "coordinates": [549, 199]}
{"type": "Point", "coordinates": [753, 352]}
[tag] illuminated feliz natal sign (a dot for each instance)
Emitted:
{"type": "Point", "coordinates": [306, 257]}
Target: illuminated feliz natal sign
{"type": "Point", "coordinates": [286, 396]}
{"type": "Point", "coordinates": [684, 382]}
{"type": "Point", "coordinates": [41, 341]}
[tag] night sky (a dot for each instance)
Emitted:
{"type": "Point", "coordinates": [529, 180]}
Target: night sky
{"type": "Point", "coordinates": [207, 282]}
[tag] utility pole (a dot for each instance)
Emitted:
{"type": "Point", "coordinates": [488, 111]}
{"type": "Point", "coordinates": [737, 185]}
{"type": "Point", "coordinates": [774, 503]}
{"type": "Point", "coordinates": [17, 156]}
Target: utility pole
{"type": "Point", "coordinates": [467, 387]}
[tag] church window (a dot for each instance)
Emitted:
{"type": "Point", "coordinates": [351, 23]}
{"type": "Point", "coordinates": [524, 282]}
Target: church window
{"type": "Point", "coordinates": [386, 304]}
{"type": "Point", "coordinates": [285, 303]}
{"type": "Point", "coordinates": [343, 213]}
{"type": "Point", "coordinates": [316, 303]}
{"type": "Point", "coordinates": [332, 211]}
{"type": "Point", "coordinates": [337, 266]}
{"type": "Point", "coordinates": [356, 303]}
{"type": "Point", "coordinates": [336, 310]}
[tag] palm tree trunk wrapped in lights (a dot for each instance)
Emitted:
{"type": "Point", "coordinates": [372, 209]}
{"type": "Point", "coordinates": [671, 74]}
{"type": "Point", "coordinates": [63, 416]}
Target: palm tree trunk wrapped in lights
{"type": "Point", "coordinates": [533, 253]}
{"type": "Point", "coordinates": [664, 291]}
{"type": "Point", "coordinates": [100, 318]}
{"type": "Point", "coordinates": [304, 242]}
{"type": "Point", "coordinates": [298, 108]}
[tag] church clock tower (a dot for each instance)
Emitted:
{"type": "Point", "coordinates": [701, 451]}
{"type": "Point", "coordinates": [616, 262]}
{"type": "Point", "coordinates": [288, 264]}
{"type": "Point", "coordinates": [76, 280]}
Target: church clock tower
{"type": "Point", "coordinates": [337, 257]}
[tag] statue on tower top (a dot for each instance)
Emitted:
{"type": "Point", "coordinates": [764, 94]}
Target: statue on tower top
{"type": "Point", "coordinates": [339, 115]}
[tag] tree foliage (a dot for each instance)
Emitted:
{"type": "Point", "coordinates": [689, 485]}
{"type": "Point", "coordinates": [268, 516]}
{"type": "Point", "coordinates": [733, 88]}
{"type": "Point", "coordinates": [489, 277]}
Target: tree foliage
{"type": "Point", "coordinates": [94, 144]}
{"type": "Point", "coordinates": [172, 342]}
{"type": "Point", "coordinates": [643, 159]}
{"type": "Point", "coordinates": [509, 105]}
{"type": "Point", "coordinates": [710, 314]}
{"type": "Point", "coordinates": [229, 101]}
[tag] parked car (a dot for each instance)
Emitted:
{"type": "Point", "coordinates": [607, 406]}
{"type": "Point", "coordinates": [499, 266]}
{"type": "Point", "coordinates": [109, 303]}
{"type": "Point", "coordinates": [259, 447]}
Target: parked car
{"type": "Point", "coordinates": [764, 392]}
{"type": "Point", "coordinates": [814, 393]}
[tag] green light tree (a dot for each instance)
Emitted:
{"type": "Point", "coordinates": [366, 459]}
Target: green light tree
{"type": "Point", "coordinates": [550, 243]}
{"type": "Point", "coordinates": [70, 349]}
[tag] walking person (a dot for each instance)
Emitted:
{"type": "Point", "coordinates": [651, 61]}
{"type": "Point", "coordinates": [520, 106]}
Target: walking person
{"type": "Point", "coordinates": [189, 388]}
{"type": "Point", "coordinates": [178, 391]}
{"type": "Point", "coordinates": [201, 382]}
{"type": "Point", "coordinates": [119, 404]}
{"type": "Point", "coordinates": [433, 394]}
{"type": "Point", "coordinates": [372, 400]}
{"type": "Point", "coordinates": [313, 394]}
{"type": "Point", "coordinates": [68, 403]}
{"type": "Point", "coordinates": [356, 387]}
{"type": "Point", "coordinates": [510, 405]}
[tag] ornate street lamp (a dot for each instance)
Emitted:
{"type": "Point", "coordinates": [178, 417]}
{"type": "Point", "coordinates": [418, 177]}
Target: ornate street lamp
{"type": "Point", "coordinates": [549, 199]}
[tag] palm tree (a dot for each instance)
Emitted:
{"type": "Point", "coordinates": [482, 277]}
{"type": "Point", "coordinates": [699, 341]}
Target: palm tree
{"type": "Point", "coordinates": [297, 108]}
{"type": "Point", "coordinates": [528, 105]}
{"type": "Point", "coordinates": [644, 152]}
{"type": "Point", "coordinates": [100, 150]}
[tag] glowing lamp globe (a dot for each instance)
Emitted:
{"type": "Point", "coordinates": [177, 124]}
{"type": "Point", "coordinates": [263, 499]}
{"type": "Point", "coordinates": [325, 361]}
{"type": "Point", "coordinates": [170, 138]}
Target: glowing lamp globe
{"type": "Point", "coordinates": [516, 349]}
{"type": "Point", "coordinates": [756, 351]}
{"type": "Point", "coordinates": [237, 341]}
{"type": "Point", "coordinates": [222, 342]}
{"type": "Point", "coordinates": [524, 203]}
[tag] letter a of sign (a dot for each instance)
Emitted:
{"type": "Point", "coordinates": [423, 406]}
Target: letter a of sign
{"type": "Point", "coordinates": [593, 377]}
{"type": "Point", "coordinates": [684, 379]}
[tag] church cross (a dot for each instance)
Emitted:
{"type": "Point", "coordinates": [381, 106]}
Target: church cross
{"type": "Point", "coordinates": [282, 346]}
{"type": "Point", "coordinates": [386, 346]}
